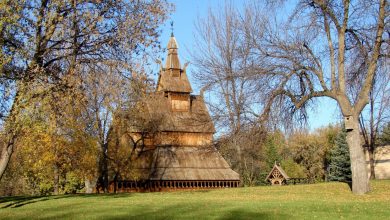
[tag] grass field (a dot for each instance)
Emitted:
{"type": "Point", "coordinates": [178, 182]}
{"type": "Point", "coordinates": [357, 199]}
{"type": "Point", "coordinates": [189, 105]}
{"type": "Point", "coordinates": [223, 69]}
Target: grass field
{"type": "Point", "coordinates": [316, 201]}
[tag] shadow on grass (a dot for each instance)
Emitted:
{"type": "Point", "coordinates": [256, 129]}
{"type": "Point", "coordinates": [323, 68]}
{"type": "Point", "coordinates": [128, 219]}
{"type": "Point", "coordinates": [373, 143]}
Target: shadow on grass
{"type": "Point", "coordinates": [349, 184]}
{"type": "Point", "coordinates": [245, 214]}
{"type": "Point", "coordinates": [19, 201]}
{"type": "Point", "coordinates": [185, 212]}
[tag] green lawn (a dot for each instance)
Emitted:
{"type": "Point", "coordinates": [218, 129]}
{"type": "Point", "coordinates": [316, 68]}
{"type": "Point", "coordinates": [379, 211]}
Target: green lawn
{"type": "Point", "coordinates": [316, 201]}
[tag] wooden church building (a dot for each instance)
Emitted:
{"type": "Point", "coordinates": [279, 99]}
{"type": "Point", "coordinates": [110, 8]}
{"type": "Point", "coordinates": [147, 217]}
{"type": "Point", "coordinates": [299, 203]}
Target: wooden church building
{"type": "Point", "coordinates": [175, 134]}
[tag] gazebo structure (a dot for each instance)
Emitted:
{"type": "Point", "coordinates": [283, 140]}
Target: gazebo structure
{"type": "Point", "coordinates": [177, 151]}
{"type": "Point", "coordinates": [277, 176]}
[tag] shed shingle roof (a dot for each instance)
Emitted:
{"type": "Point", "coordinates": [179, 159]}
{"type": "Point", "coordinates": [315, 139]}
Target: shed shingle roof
{"type": "Point", "coordinates": [279, 168]}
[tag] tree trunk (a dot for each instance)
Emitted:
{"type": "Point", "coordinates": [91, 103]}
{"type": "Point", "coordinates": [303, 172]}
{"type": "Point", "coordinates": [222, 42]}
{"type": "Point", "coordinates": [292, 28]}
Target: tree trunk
{"type": "Point", "coordinates": [360, 183]}
{"type": "Point", "coordinates": [56, 180]}
{"type": "Point", "coordinates": [105, 168]}
{"type": "Point", "coordinates": [6, 154]}
{"type": "Point", "coordinates": [372, 163]}
{"type": "Point", "coordinates": [89, 185]}
{"type": "Point", "coordinates": [116, 181]}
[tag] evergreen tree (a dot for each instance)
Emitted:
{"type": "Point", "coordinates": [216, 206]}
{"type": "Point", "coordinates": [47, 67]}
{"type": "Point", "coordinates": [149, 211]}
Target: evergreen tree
{"type": "Point", "coordinates": [271, 153]}
{"type": "Point", "coordinates": [340, 164]}
{"type": "Point", "coordinates": [384, 136]}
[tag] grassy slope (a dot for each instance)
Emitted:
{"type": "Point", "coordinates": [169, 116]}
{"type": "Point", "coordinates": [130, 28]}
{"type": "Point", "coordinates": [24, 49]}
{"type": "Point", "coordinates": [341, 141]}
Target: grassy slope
{"type": "Point", "coordinates": [321, 201]}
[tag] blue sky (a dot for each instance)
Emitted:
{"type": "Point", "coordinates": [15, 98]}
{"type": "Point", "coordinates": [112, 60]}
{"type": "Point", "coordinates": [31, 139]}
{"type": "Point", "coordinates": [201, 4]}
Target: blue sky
{"type": "Point", "coordinates": [186, 14]}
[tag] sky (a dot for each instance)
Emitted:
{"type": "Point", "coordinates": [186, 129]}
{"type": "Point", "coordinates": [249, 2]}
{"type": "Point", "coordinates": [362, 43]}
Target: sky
{"type": "Point", "coordinates": [187, 13]}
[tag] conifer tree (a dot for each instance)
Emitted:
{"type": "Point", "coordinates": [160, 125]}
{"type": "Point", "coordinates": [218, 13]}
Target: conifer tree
{"type": "Point", "coordinates": [272, 155]}
{"type": "Point", "coordinates": [384, 136]}
{"type": "Point", "coordinates": [340, 164]}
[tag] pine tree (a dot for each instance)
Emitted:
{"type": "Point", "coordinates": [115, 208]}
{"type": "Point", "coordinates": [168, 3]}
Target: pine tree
{"type": "Point", "coordinates": [271, 153]}
{"type": "Point", "coordinates": [340, 164]}
{"type": "Point", "coordinates": [384, 136]}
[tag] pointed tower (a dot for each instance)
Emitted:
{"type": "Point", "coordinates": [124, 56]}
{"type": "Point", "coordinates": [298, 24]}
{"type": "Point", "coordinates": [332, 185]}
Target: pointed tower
{"type": "Point", "coordinates": [172, 64]}
{"type": "Point", "coordinates": [173, 80]}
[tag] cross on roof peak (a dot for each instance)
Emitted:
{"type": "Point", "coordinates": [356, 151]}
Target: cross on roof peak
{"type": "Point", "coordinates": [172, 29]}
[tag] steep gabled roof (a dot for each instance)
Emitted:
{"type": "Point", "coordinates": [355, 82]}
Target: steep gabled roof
{"type": "Point", "coordinates": [281, 171]}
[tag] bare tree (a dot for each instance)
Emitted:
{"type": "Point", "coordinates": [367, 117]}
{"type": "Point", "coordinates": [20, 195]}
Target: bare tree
{"type": "Point", "coordinates": [312, 54]}
{"type": "Point", "coordinates": [133, 129]}
{"type": "Point", "coordinates": [223, 63]}
{"type": "Point", "coordinates": [322, 49]}
{"type": "Point", "coordinates": [107, 91]}
{"type": "Point", "coordinates": [251, 164]}
{"type": "Point", "coordinates": [375, 116]}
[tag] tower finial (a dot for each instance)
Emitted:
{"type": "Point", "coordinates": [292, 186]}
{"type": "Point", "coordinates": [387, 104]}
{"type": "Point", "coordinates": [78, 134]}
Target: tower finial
{"type": "Point", "coordinates": [171, 28]}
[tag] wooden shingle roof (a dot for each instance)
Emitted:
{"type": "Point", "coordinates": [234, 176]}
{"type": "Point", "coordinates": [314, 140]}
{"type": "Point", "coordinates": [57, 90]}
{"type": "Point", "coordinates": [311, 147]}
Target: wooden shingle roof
{"type": "Point", "coordinates": [184, 163]}
{"type": "Point", "coordinates": [157, 107]}
{"type": "Point", "coordinates": [172, 61]}
{"type": "Point", "coordinates": [167, 83]}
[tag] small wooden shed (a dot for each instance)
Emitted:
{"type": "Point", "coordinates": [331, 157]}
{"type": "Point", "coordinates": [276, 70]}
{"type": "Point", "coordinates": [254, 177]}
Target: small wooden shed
{"type": "Point", "coordinates": [277, 176]}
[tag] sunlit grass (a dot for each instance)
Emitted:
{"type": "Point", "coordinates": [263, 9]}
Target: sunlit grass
{"type": "Point", "coordinates": [321, 201]}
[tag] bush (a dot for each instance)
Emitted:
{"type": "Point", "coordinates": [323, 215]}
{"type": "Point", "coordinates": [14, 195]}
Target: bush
{"type": "Point", "coordinates": [73, 183]}
{"type": "Point", "coordinates": [46, 188]}
{"type": "Point", "coordinates": [293, 169]}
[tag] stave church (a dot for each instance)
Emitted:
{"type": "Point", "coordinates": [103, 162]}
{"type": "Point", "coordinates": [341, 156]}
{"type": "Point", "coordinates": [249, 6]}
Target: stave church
{"type": "Point", "coordinates": [175, 137]}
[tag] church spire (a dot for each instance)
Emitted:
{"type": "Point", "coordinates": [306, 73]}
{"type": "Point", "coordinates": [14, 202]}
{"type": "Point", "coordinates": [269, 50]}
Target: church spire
{"type": "Point", "coordinates": [172, 62]}
{"type": "Point", "coordinates": [173, 78]}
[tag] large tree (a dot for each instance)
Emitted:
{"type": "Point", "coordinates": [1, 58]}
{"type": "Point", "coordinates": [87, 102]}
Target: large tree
{"type": "Point", "coordinates": [321, 48]}
{"type": "Point", "coordinates": [46, 42]}
{"type": "Point", "coordinates": [377, 113]}
{"type": "Point", "coordinates": [316, 54]}
{"type": "Point", "coordinates": [222, 59]}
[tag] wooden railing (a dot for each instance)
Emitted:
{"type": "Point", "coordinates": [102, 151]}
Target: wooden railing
{"type": "Point", "coordinates": [170, 185]}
